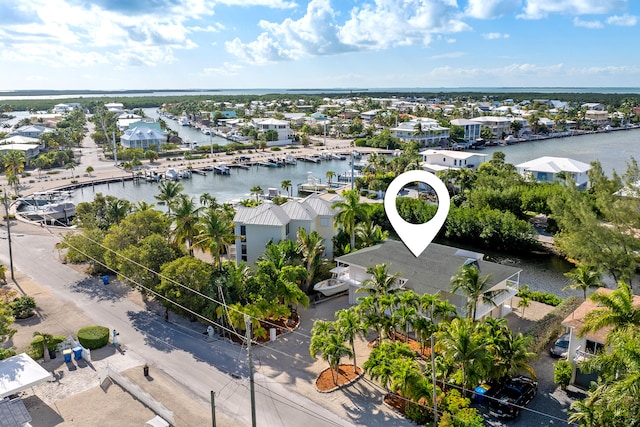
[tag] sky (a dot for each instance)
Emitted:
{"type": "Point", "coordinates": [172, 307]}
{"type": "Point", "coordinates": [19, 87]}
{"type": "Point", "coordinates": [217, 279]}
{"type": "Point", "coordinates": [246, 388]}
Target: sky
{"type": "Point", "coordinates": [295, 44]}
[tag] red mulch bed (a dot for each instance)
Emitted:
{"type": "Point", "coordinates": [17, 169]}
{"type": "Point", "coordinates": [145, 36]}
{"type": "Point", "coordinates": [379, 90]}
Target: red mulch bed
{"type": "Point", "coordinates": [413, 344]}
{"type": "Point", "coordinates": [346, 374]}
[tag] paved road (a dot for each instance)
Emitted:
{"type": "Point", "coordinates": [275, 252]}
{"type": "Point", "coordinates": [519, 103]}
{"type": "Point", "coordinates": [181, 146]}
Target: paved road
{"type": "Point", "coordinates": [182, 353]}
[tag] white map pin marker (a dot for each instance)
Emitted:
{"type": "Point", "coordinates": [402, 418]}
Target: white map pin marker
{"type": "Point", "coordinates": [417, 236]}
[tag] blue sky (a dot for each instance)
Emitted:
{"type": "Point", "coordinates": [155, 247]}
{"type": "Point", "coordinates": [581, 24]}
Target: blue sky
{"type": "Point", "coordinates": [181, 44]}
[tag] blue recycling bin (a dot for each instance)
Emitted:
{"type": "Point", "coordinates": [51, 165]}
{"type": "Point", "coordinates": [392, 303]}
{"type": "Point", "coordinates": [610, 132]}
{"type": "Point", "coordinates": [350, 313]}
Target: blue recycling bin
{"type": "Point", "coordinates": [105, 280]}
{"type": "Point", "coordinates": [480, 391]}
{"type": "Point", "coordinates": [77, 353]}
{"type": "Point", "coordinates": [67, 355]}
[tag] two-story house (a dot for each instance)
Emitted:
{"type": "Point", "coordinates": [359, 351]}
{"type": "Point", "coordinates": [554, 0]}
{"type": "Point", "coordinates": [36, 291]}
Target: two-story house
{"type": "Point", "coordinates": [424, 131]}
{"type": "Point", "coordinates": [142, 137]}
{"type": "Point", "coordinates": [499, 126]}
{"type": "Point", "coordinates": [256, 226]}
{"type": "Point", "coordinates": [282, 127]}
{"type": "Point", "coordinates": [471, 128]}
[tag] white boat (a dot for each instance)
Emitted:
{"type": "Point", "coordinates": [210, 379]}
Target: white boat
{"type": "Point", "coordinates": [60, 212]}
{"type": "Point", "coordinates": [184, 121]}
{"type": "Point", "coordinates": [312, 158]}
{"type": "Point", "coordinates": [184, 173]}
{"type": "Point", "coordinates": [331, 287]}
{"type": "Point", "coordinates": [206, 131]}
{"type": "Point", "coordinates": [338, 156]}
{"type": "Point", "coordinates": [221, 170]}
{"type": "Point", "coordinates": [290, 160]}
{"type": "Point", "coordinates": [172, 174]}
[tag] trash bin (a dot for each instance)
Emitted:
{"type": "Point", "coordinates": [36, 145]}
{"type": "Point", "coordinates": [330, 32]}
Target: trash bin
{"type": "Point", "coordinates": [105, 280]}
{"type": "Point", "coordinates": [145, 370]}
{"type": "Point", "coordinates": [67, 355]}
{"type": "Point", "coordinates": [480, 392]}
{"type": "Point", "coordinates": [77, 353]}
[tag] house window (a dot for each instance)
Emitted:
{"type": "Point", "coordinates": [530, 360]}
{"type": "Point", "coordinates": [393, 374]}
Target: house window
{"type": "Point", "coordinates": [244, 249]}
{"type": "Point", "coordinates": [287, 229]}
{"type": "Point", "coordinates": [244, 258]}
{"type": "Point", "coordinates": [243, 230]}
{"type": "Point", "coordinates": [593, 347]}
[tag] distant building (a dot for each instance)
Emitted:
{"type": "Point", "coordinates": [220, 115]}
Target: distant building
{"type": "Point", "coordinates": [498, 126]}
{"type": "Point", "coordinates": [471, 128]}
{"type": "Point", "coordinates": [282, 127]}
{"type": "Point", "coordinates": [256, 226]}
{"type": "Point", "coordinates": [142, 137]}
{"type": "Point", "coordinates": [30, 150]}
{"type": "Point", "coordinates": [437, 160]}
{"type": "Point", "coordinates": [31, 131]}
{"type": "Point", "coordinates": [424, 131]}
{"type": "Point", "coordinates": [547, 169]}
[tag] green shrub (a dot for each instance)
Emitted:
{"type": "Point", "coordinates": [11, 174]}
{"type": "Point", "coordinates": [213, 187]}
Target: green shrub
{"type": "Point", "coordinates": [543, 297]}
{"type": "Point", "coordinates": [36, 349]}
{"type": "Point", "coordinates": [372, 196]}
{"type": "Point", "coordinates": [5, 353]}
{"type": "Point", "coordinates": [93, 337]}
{"type": "Point", "coordinates": [23, 307]}
{"type": "Point", "coordinates": [417, 413]}
{"type": "Point", "coordinates": [562, 373]}
{"type": "Point", "coordinates": [275, 149]}
{"type": "Point", "coordinates": [550, 326]}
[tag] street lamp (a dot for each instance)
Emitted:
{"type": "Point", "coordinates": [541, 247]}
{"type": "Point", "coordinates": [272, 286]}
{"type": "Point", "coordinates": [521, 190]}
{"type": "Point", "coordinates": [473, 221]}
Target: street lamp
{"type": "Point", "coordinates": [6, 212]}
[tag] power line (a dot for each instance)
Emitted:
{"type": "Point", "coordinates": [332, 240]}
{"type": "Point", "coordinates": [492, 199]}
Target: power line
{"type": "Point", "coordinates": [261, 345]}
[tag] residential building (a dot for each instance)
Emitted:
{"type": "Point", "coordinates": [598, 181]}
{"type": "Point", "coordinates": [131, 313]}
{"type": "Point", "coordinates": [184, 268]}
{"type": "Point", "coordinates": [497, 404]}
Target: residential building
{"type": "Point", "coordinates": [546, 169]}
{"type": "Point", "coordinates": [268, 222]}
{"type": "Point", "coordinates": [431, 273]}
{"type": "Point", "coordinates": [30, 150]}
{"type": "Point", "coordinates": [437, 160]}
{"type": "Point", "coordinates": [471, 128]}
{"type": "Point", "coordinates": [499, 126]}
{"type": "Point", "coordinates": [597, 116]}
{"type": "Point", "coordinates": [424, 131]}
{"type": "Point", "coordinates": [31, 131]}
{"type": "Point", "coordinates": [23, 140]}
{"type": "Point", "coordinates": [142, 137]}
{"type": "Point", "coordinates": [586, 346]}
{"type": "Point", "coordinates": [285, 135]}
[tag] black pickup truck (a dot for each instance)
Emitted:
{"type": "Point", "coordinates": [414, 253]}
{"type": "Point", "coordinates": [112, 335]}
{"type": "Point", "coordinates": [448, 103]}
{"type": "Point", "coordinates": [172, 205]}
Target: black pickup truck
{"type": "Point", "coordinates": [509, 397]}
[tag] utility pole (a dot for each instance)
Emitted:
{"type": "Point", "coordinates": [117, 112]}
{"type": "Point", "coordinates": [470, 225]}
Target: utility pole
{"type": "Point", "coordinates": [247, 322]}
{"type": "Point", "coordinates": [353, 179]}
{"type": "Point", "coordinates": [115, 150]}
{"type": "Point", "coordinates": [6, 212]}
{"type": "Point", "coordinates": [213, 409]}
{"type": "Point", "coordinates": [433, 380]}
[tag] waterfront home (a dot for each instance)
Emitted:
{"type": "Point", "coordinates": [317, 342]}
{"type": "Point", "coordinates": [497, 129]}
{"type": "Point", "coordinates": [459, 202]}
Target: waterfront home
{"type": "Point", "coordinates": [23, 140]}
{"type": "Point", "coordinates": [597, 116]}
{"type": "Point", "coordinates": [549, 169]}
{"type": "Point", "coordinates": [588, 345]}
{"type": "Point", "coordinates": [499, 126]}
{"type": "Point", "coordinates": [142, 137]}
{"type": "Point", "coordinates": [431, 273]}
{"type": "Point", "coordinates": [437, 160]}
{"type": "Point", "coordinates": [31, 131]}
{"type": "Point", "coordinates": [424, 131]}
{"type": "Point", "coordinates": [282, 127]}
{"type": "Point", "coordinates": [114, 107]}
{"type": "Point", "coordinates": [471, 128]}
{"type": "Point", "coordinates": [256, 226]}
{"type": "Point", "coordinates": [30, 150]}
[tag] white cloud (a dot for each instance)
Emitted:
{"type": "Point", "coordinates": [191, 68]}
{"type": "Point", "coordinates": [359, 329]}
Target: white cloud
{"type": "Point", "coordinates": [593, 25]}
{"type": "Point", "coordinates": [448, 55]}
{"type": "Point", "coordinates": [488, 9]}
{"type": "Point", "coordinates": [215, 28]}
{"type": "Point", "coordinates": [537, 9]}
{"type": "Point", "coordinates": [623, 20]}
{"type": "Point", "coordinates": [274, 4]}
{"type": "Point", "coordinates": [227, 69]}
{"type": "Point", "coordinates": [495, 36]}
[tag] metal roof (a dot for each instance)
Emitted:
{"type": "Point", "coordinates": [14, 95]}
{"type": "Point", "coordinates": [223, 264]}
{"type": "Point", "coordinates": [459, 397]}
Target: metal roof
{"type": "Point", "coordinates": [431, 272]}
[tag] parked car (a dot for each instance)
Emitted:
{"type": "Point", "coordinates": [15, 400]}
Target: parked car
{"type": "Point", "coordinates": [507, 398]}
{"type": "Point", "coordinates": [561, 347]}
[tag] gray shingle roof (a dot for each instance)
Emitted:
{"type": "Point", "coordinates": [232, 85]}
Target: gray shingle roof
{"type": "Point", "coordinates": [264, 214]}
{"type": "Point", "coordinates": [431, 272]}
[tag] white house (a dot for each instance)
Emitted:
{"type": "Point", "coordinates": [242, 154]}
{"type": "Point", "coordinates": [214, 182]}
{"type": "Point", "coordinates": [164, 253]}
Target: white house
{"type": "Point", "coordinates": [22, 140]}
{"type": "Point", "coordinates": [282, 127]}
{"type": "Point", "coordinates": [142, 137]}
{"type": "Point", "coordinates": [499, 126]}
{"type": "Point", "coordinates": [437, 160]}
{"type": "Point", "coordinates": [256, 226]}
{"type": "Point", "coordinates": [431, 273]}
{"type": "Point", "coordinates": [546, 169]}
{"type": "Point", "coordinates": [471, 128]}
{"type": "Point", "coordinates": [32, 131]}
{"type": "Point", "coordinates": [424, 131]}
{"type": "Point", "coordinates": [30, 150]}
{"type": "Point", "coordinates": [586, 346]}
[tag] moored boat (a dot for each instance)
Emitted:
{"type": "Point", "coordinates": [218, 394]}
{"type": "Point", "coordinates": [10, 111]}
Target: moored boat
{"type": "Point", "coordinates": [331, 287]}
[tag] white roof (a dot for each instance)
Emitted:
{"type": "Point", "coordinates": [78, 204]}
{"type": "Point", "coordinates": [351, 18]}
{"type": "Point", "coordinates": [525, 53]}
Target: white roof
{"type": "Point", "coordinates": [20, 139]}
{"type": "Point", "coordinates": [452, 154]}
{"type": "Point", "coordinates": [319, 205]}
{"type": "Point", "coordinates": [299, 210]}
{"type": "Point", "coordinates": [435, 168]}
{"type": "Point", "coordinates": [554, 165]}
{"type": "Point", "coordinates": [18, 147]}
{"type": "Point", "coordinates": [19, 373]}
{"type": "Point", "coordinates": [263, 214]}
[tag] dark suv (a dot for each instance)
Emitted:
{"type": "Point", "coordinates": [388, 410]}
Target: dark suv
{"type": "Point", "coordinates": [507, 398]}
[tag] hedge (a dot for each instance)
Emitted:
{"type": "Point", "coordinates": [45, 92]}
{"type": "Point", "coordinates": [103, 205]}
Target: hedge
{"type": "Point", "coordinates": [92, 337]}
{"type": "Point", "coordinates": [543, 297]}
{"type": "Point", "coordinates": [36, 351]}
{"type": "Point", "coordinates": [550, 326]}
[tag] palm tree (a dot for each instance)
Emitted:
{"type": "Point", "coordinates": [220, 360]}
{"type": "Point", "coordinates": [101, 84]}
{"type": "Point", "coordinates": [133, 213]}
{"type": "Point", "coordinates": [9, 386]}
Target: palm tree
{"type": "Point", "coordinates": [46, 339]}
{"type": "Point", "coordinates": [583, 277]}
{"type": "Point", "coordinates": [350, 211]}
{"type": "Point", "coordinates": [463, 348]}
{"type": "Point", "coordinates": [89, 170]}
{"type": "Point", "coordinates": [310, 247]}
{"type": "Point", "coordinates": [216, 234]}
{"type": "Point", "coordinates": [169, 190]}
{"type": "Point", "coordinates": [185, 219]}
{"type": "Point", "coordinates": [330, 175]}
{"type": "Point", "coordinates": [379, 288]}
{"type": "Point", "coordinates": [72, 167]}
{"type": "Point", "coordinates": [616, 309]}
{"type": "Point", "coordinates": [468, 280]}
{"type": "Point", "coordinates": [369, 234]}
{"type": "Point", "coordinates": [511, 353]}
{"type": "Point", "coordinates": [208, 200]}
{"type": "Point", "coordinates": [350, 326]}
{"type": "Point", "coordinates": [330, 343]}
{"type": "Point", "coordinates": [286, 185]}
{"type": "Point", "coordinates": [14, 161]}
{"type": "Point", "coordinates": [257, 190]}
